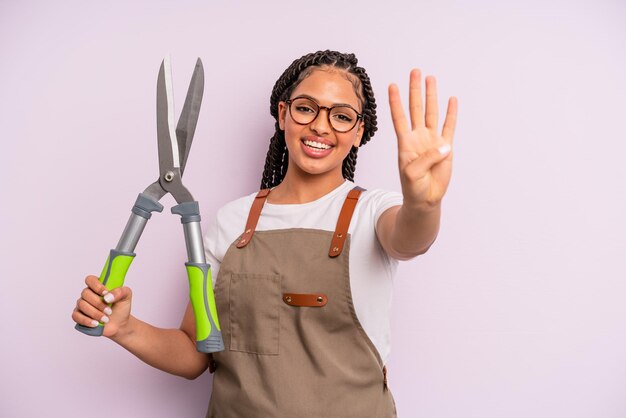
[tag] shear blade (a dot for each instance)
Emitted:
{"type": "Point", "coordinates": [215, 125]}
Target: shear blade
{"type": "Point", "coordinates": [189, 116]}
{"type": "Point", "coordinates": [166, 137]}
{"type": "Point", "coordinates": [174, 145]}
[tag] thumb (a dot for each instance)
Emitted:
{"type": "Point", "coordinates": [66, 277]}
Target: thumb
{"type": "Point", "coordinates": [119, 294]}
{"type": "Point", "coordinates": [422, 164]}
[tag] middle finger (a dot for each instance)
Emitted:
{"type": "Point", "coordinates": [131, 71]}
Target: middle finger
{"type": "Point", "coordinates": [93, 299]}
{"type": "Point", "coordinates": [415, 99]}
{"type": "Point", "coordinates": [432, 108]}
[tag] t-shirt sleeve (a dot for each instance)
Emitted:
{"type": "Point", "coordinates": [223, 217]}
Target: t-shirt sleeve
{"type": "Point", "coordinates": [210, 240]}
{"type": "Point", "coordinates": [383, 200]}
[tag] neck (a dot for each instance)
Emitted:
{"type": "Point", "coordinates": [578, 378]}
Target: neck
{"type": "Point", "coordinates": [299, 187]}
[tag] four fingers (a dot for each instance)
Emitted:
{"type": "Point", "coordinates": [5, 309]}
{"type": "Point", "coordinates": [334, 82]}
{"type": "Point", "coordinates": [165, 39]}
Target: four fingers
{"type": "Point", "coordinates": [90, 309]}
{"type": "Point", "coordinates": [420, 117]}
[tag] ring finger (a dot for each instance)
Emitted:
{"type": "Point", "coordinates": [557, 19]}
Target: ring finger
{"type": "Point", "coordinates": [91, 312]}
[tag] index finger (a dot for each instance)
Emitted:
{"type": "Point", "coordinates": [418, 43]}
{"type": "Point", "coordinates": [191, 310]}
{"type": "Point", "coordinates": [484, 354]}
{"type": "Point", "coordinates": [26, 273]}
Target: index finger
{"type": "Point", "coordinates": [397, 113]}
{"type": "Point", "coordinates": [94, 284]}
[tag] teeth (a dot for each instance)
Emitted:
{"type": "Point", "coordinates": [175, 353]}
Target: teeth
{"type": "Point", "coordinates": [318, 145]}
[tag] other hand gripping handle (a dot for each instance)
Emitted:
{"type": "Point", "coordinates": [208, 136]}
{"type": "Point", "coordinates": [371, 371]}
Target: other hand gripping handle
{"type": "Point", "coordinates": [208, 331]}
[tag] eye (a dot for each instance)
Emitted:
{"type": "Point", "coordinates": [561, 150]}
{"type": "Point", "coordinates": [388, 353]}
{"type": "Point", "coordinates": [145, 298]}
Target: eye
{"type": "Point", "coordinates": [343, 117]}
{"type": "Point", "coordinates": [304, 108]}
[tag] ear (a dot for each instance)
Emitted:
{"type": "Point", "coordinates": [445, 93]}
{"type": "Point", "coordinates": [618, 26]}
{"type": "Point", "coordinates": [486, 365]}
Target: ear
{"type": "Point", "coordinates": [282, 114]}
{"type": "Point", "coordinates": [359, 134]}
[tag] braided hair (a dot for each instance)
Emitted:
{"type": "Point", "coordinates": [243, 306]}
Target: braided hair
{"type": "Point", "coordinates": [277, 158]}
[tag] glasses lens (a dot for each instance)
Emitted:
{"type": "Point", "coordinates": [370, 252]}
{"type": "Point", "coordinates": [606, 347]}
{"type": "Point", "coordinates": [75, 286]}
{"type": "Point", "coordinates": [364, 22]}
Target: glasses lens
{"type": "Point", "coordinates": [342, 118]}
{"type": "Point", "coordinates": [303, 110]}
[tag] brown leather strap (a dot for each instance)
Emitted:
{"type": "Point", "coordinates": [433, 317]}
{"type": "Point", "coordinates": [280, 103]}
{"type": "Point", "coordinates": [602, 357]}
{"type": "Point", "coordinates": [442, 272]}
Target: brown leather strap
{"type": "Point", "coordinates": [253, 217]}
{"type": "Point", "coordinates": [343, 223]}
{"type": "Point", "coordinates": [212, 364]}
{"type": "Point", "coordinates": [385, 376]}
{"type": "Point", "coordinates": [302, 299]}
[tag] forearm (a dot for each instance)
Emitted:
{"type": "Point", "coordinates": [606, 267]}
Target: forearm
{"type": "Point", "coordinates": [414, 230]}
{"type": "Point", "coordinates": [170, 350]}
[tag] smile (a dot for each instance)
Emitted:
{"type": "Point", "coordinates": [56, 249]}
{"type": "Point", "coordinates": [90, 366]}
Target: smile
{"type": "Point", "coordinates": [316, 145]}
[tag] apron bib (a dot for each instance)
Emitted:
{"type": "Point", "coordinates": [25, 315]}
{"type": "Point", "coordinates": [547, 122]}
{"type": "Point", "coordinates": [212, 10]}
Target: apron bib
{"type": "Point", "coordinates": [294, 347]}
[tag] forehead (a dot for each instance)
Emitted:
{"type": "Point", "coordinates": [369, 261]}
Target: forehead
{"type": "Point", "coordinates": [328, 86]}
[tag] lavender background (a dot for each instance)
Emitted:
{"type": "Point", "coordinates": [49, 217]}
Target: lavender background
{"type": "Point", "coordinates": [517, 311]}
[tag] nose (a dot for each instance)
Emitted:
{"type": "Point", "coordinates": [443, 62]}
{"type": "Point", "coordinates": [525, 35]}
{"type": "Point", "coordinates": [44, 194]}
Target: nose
{"type": "Point", "coordinates": [320, 124]}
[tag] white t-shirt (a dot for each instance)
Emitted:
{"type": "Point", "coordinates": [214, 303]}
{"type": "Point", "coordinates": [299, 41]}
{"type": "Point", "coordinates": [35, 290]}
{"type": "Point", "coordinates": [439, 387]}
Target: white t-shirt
{"type": "Point", "coordinates": [371, 269]}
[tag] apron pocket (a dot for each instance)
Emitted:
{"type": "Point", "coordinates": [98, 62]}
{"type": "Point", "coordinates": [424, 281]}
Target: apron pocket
{"type": "Point", "coordinates": [255, 312]}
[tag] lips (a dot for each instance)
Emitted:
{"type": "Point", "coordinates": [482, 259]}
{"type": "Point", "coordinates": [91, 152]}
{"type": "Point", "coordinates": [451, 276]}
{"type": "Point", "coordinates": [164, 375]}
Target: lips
{"type": "Point", "coordinates": [316, 147]}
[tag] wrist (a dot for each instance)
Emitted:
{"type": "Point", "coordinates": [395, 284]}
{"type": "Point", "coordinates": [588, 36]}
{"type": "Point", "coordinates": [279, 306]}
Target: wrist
{"type": "Point", "coordinates": [125, 332]}
{"type": "Point", "coordinates": [421, 208]}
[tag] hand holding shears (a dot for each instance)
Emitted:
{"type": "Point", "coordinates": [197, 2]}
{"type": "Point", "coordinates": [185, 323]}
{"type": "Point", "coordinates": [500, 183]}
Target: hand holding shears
{"type": "Point", "coordinates": [173, 152]}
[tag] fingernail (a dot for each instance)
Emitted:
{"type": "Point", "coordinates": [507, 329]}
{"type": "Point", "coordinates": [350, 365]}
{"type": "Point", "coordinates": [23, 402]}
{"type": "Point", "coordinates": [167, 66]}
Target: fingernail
{"type": "Point", "coordinates": [444, 149]}
{"type": "Point", "coordinates": [94, 323]}
{"type": "Point", "coordinates": [104, 319]}
{"type": "Point", "coordinates": [109, 297]}
{"type": "Point", "coordinates": [108, 310]}
{"type": "Point", "coordinates": [105, 292]}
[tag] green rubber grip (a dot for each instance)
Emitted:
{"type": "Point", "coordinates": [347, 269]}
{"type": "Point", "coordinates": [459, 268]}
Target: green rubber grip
{"type": "Point", "coordinates": [208, 331]}
{"type": "Point", "coordinates": [115, 269]}
{"type": "Point", "coordinates": [112, 277]}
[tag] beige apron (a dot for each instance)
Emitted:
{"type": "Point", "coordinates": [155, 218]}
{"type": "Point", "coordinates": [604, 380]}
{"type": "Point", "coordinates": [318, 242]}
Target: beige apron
{"type": "Point", "coordinates": [294, 346]}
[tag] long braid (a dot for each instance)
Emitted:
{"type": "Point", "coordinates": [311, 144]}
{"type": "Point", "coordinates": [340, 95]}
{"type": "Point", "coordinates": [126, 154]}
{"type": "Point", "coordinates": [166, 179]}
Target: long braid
{"type": "Point", "coordinates": [349, 164]}
{"type": "Point", "coordinates": [277, 159]}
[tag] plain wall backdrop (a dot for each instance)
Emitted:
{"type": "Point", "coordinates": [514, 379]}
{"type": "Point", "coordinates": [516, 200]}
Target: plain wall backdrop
{"type": "Point", "coordinates": [517, 311]}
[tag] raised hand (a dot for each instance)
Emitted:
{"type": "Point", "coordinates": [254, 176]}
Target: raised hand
{"type": "Point", "coordinates": [424, 155]}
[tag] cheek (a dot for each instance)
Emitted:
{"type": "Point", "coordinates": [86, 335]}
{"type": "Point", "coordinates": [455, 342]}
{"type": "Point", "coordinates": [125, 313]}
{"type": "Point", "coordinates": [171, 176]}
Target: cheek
{"type": "Point", "coordinates": [292, 134]}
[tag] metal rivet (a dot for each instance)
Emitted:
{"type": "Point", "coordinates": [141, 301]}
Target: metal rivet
{"type": "Point", "coordinates": [169, 176]}
{"type": "Point", "coordinates": [339, 235]}
{"type": "Point", "coordinates": [320, 299]}
{"type": "Point", "coordinates": [335, 249]}
{"type": "Point", "coordinates": [288, 298]}
{"type": "Point", "coordinates": [248, 231]}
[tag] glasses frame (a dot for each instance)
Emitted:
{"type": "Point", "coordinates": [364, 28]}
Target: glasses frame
{"type": "Point", "coordinates": [359, 116]}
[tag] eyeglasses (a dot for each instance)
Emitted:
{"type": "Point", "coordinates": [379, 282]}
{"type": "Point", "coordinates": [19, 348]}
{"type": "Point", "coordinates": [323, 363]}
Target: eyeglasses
{"type": "Point", "coordinates": [304, 110]}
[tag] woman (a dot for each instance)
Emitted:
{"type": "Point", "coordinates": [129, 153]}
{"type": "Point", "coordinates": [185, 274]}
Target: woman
{"type": "Point", "coordinates": [303, 267]}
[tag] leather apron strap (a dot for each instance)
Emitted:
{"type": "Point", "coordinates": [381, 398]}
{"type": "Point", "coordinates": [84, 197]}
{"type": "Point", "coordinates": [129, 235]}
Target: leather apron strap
{"type": "Point", "coordinates": [343, 223]}
{"type": "Point", "coordinates": [341, 230]}
{"type": "Point", "coordinates": [253, 217]}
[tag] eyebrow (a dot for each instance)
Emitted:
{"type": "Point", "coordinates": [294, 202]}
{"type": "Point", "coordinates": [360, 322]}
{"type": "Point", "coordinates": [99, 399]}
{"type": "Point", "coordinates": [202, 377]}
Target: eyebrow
{"type": "Point", "coordinates": [306, 96]}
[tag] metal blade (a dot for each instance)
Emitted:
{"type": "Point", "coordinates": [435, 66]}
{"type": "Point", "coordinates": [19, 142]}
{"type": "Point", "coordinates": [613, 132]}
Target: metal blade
{"type": "Point", "coordinates": [155, 191]}
{"type": "Point", "coordinates": [189, 116]}
{"type": "Point", "coordinates": [166, 137]}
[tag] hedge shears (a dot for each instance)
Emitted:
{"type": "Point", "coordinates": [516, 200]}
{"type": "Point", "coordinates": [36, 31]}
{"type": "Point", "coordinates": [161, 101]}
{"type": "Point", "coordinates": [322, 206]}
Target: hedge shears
{"type": "Point", "coordinates": [173, 148]}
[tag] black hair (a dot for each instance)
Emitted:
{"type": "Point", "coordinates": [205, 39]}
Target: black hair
{"type": "Point", "coordinates": [277, 158]}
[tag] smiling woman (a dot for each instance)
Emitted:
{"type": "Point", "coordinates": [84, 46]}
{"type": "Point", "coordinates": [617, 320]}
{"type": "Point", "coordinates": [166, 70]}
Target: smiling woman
{"type": "Point", "coordinates": [304, 266]}
{"type": "Point", "coordinates": [314, 144]}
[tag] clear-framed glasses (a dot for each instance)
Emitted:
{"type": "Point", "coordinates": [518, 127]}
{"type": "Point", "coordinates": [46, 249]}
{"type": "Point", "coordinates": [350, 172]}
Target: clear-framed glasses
{"type": "Point", "coordinates": [304, 110]}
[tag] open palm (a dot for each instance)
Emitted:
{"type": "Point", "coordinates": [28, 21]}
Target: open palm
{"type": "Point", "coordinates": [424, 155]}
